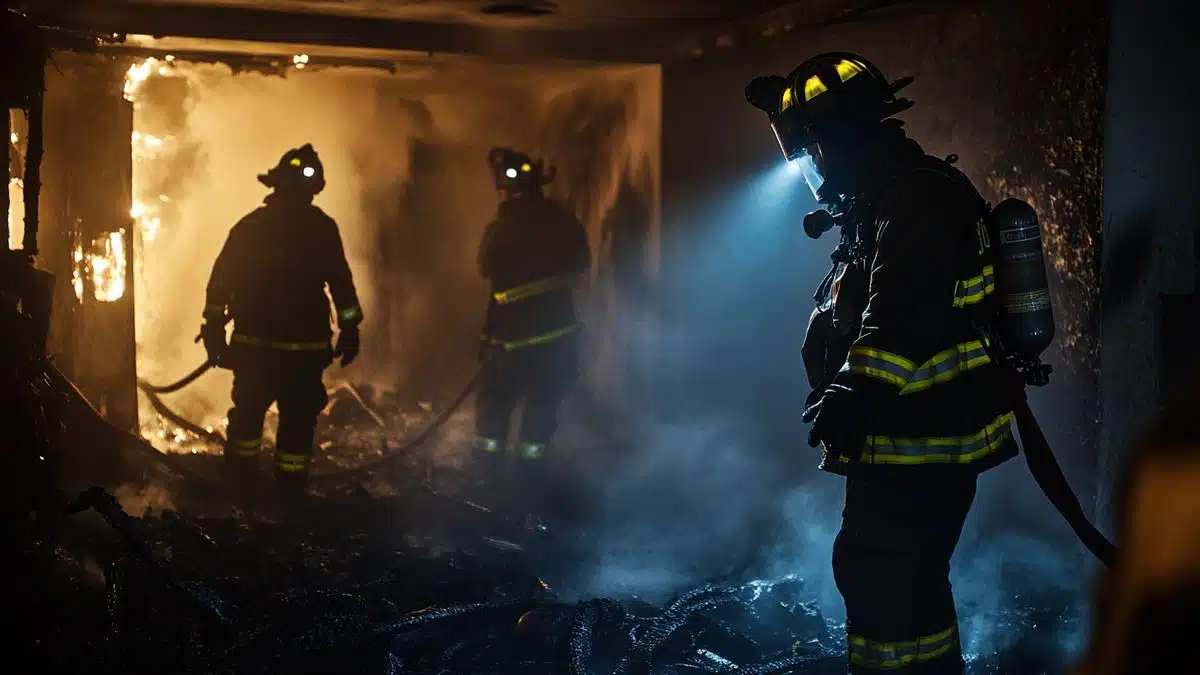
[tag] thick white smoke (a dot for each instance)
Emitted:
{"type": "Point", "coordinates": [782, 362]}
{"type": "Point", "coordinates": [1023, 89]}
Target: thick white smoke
{"type": "Point", "coordinates": [410, 230]}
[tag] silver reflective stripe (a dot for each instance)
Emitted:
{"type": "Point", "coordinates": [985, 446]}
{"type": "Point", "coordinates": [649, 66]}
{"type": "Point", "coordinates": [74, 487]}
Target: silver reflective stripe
{"type": "Point", "coordinates": [974, 290]}
{"type": "Point", "coordinates": [939, 450]}
{"type": "Point", "coordinates": [892, 655]}
{"type": "Point", "coordinates": [532, 450]}
{"type": "Point", "coordinates": [881, 365]}
{"type": "Point", "coordinates": [947, 365]}
{"type": "Point", "coordinates": [487, 444]}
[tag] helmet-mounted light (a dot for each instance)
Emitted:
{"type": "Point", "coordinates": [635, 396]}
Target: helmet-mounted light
{"type": "Point", "coordinates": [298, 169]}
{"type": "Point", "coordinates": [827, 89]}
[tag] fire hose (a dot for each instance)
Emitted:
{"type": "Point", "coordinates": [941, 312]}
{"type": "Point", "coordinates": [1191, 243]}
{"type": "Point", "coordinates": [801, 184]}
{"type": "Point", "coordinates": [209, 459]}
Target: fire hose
{"type": "Point", "coordinates": [153, 393]}
{"type": "Point", "coordinates": [1050, 478]}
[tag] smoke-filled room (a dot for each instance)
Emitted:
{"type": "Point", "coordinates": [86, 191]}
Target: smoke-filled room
{"type": "Point", "coordinates": [632, 338]}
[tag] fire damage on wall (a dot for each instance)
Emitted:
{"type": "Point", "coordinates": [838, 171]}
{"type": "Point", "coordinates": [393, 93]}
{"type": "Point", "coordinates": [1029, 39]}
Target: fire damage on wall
{"type": "Point", "coordinates": [143, 558]}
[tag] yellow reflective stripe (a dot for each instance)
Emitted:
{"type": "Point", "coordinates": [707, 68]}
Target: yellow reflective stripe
{"type": "Point", "coordinates": [891, 655]}
{"type": "Point", "coordinates": [947, 365]}
{"type": "Point", "coordinates": [881, 365]}
{"type": "Point", "coordinates": [488, 444]}
{"type": "Point", "coordinates": [532, 450]}
{"type": "Point", "coordinates": [974, 290]}
{"type": "Point", "coordinates": [286, 461]}
{"type": "Point", "coordinates": [350, 314]}
{"type": "Point", "coordinates": [534, 288]}
{"type": "Point", "coordinates": [245, 448]}
{"type": "Point", "coordinates": [943, 450]}
{"type": "Point", "coordinates": [285, 346]}
{"type": "Point", "coordinates": [536, 340]}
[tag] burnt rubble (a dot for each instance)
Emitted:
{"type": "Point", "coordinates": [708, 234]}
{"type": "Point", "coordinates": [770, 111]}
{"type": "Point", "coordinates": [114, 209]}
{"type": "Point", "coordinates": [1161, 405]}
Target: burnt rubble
{"type": "Point", "coordinates": [248, 595]}
{"type": "Point", "coordinates": [410, 579]}
{"type": "Point", "coordinates": [348, 585]}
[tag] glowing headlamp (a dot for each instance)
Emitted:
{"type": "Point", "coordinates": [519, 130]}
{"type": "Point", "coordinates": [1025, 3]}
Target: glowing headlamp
{"type": "Point", "coordinates": [309, 172]}
{"type": "Point", "coordinates": [511, 173]}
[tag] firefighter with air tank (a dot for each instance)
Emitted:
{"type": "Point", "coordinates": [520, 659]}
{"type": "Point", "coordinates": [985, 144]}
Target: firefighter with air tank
{"type": "Point", "coordinates": [935, 309]}
{"type": "Point", "coordinates": [270, 280]}
{"type": "Point", "coordinates": [533, 255]}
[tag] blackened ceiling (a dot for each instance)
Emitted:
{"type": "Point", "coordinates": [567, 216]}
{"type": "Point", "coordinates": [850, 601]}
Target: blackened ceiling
{"type": "Point", "coordinates": [510, 30]}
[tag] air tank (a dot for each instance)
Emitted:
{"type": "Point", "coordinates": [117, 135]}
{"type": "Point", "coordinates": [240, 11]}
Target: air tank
{"type": "Point", "coordinates": [1026, 314]}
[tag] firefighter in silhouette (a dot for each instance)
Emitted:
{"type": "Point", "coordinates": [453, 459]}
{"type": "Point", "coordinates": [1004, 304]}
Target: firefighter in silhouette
{"type": "Point", "coordinates": [533, 255]}
{"type": "Point", "coordinates": [907, 401]}
{"type": "Point", "coordinates": [270, 280]}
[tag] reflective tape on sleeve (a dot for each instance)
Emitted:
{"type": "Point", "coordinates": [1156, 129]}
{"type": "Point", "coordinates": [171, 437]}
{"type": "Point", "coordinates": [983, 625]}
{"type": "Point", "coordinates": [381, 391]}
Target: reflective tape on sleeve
{"type": "Point", "coordinates": [879, 364]}
{"type": "Point", "coordinates": [972, 291]}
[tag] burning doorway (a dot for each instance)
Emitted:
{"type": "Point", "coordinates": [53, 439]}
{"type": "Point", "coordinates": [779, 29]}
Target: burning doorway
{"type": "Point", "coordinates": [404, 154]}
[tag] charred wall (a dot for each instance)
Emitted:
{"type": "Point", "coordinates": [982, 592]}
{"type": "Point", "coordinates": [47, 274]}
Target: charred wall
{"type": "Point", "coordinates": [1014, 89]}
{"type": "Point", "coordinates": [86, 230]}
{"type": "Point", "coordinates": [1152, 244]}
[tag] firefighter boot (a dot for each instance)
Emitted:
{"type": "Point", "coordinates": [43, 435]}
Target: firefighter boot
{"type": "Point", "coordinates": [533, 488]}
{"type": "Point", "coordinates": [291, 475]}
{"type": "Point", "coordinates": [486, 473]}
{"type": "Point", "coordinates": [240, 467]}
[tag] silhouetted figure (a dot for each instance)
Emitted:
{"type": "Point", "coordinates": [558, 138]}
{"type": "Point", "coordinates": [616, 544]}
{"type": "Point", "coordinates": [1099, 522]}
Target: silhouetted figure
{"type": "Point", "coordinates": [533, 255]}
{"type": "Point", "coordinates": [270, 280]}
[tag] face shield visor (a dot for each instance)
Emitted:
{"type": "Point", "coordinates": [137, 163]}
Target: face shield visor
{"type": "Point", "coordinates": [808, 162]}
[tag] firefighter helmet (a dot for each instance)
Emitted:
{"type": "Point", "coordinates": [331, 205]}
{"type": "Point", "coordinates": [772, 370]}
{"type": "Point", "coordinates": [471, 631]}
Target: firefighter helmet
{"type": "Point", "coordinates": [516, 172]}
{"type": "Point", "coordinates": [824, 92]}
{"type": "Point", "coordinates": [299, 170]}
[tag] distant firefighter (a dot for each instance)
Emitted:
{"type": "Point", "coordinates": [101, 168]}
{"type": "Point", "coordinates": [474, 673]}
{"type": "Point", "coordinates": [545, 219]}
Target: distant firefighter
{"type": "Point", "coordinates": [533, 255]}
{"type": "Point", "coordinates": [270, 281]}
{"type": "Point", "coordinates": [909, 400]}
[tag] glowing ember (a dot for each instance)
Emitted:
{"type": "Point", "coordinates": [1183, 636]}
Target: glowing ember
{"type": "Point", "coordinates": [104, 266]}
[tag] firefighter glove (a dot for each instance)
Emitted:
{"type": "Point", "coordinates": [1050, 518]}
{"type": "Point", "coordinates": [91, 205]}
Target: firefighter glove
{"type": "Point", "coordinates": [347, 345]}
{"type": "Point", "coordinates": [215, 344]}
{"type": "Point", "coordinates": [835, 419]}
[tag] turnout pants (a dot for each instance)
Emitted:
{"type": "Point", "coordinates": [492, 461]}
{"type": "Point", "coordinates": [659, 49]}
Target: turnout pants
{"type": "Point", "coordinates": [891, 562]}
{"type": "Point", "coordinates": [541, 376]}
{"type": "Point", "coordinates": [291, 379]}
